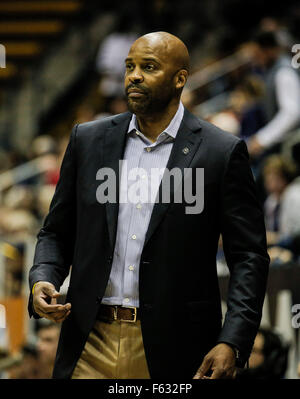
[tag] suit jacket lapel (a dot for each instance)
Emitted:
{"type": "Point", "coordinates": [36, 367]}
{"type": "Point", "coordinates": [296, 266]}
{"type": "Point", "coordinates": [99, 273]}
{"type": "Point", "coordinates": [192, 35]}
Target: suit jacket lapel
{"type": "Point", "coordinates": [114, 145]}
{"type": "Point", "coordinates": [184, 148]}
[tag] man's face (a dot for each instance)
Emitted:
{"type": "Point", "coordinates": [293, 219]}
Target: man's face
{"type": "Point", "coordinates": [149, 79]}
{"type": "Point", "coordinates": [275, 183]}
{"type": "Point", "coordinates": [47, 344]}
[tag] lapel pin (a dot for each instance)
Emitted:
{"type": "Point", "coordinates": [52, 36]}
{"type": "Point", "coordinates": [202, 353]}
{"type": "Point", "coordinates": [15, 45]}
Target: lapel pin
{"type": "Point", "coordinates": [185, 150]}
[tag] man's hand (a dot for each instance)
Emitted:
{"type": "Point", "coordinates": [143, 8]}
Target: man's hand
{"type": "Point", "coordinates": [45, 303]}
{"type": "Point", "coordinates": [221, 361]}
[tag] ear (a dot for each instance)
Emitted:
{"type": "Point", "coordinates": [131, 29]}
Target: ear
{"type": "Point", "coordinates": [181, 78]}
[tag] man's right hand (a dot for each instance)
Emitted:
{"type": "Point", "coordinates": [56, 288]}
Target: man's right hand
{"type": "Point", "coordinates": [45, 303]}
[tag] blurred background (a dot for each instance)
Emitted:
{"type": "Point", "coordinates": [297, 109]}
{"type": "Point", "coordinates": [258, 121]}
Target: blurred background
{"type": "Point", "coordinates": [64, 64]}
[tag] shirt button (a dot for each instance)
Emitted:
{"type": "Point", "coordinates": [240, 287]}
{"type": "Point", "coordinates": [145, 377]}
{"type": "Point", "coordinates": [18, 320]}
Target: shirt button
{"type": "Point", "coordinates": [131, 267]}
{"type": "Point", "coordinates": [139, 206]}
{"type": "Point", "coordinates": [133, 237]}
{"type": "Point", "coordinates": [148, 149]}
{"type": "Point", "coordinates": [126, 300]}
{"type": "Point", "coordinates": [143, 176]}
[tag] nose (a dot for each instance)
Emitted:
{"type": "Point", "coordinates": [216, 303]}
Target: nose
{"type": "Point", "coordinates": [136, 76]}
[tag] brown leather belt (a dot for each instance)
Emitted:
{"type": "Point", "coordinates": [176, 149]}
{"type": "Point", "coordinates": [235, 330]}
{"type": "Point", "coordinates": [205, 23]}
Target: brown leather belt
{"type": "Point", "coordinates": [108, 312]}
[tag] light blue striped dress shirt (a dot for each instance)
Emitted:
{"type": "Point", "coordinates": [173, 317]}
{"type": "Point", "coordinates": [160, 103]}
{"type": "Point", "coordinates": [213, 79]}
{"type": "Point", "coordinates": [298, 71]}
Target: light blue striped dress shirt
{"type": "Point", "coordinates": [134, 213]}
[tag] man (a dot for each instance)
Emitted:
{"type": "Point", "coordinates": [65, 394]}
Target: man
{"type": "Point", "coordinates": [47, 341]}
{"type": "Point", "coordinates": [152, 264]}
{"type": "Point", "coordinates": [269, 357]}
{"type": "Point", "coordinates": [282, 97]}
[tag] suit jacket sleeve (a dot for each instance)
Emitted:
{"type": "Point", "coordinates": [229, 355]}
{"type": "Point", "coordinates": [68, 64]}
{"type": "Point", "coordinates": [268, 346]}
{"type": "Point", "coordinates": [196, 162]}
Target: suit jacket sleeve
{"type": "Point", "coordinates": [244, 244]}
{"type": "Point", "coordinates": [55, 245]}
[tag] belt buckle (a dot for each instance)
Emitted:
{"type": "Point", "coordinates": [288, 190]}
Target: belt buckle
{"type": "Point", "coordinates": [134, 315]}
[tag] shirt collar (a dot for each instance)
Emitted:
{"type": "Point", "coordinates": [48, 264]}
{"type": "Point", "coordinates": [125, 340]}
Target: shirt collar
{"type": "Point", "coordinates": [172, 128]}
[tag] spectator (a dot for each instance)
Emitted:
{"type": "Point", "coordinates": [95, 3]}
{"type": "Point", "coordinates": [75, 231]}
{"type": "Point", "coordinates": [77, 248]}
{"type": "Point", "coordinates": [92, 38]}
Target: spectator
{"type": "Point", "coordinates": [271, 24]}
{"type": "Point", "coordinates": [245, 101]}
{"type": "Point", "coordinates": [43, 200]}
{"type": "Point", "coordinates": [226, 120]}
{"type": "Point", "coordinates": [28, 366]}
{"type": "Point", "coordinates": [47, 147]}
{"type": "Point", "coordinates": [278, 172]}
{"type": "Point", "coordinates": [16, 224]}
{"type": "Point", "coordinates": [282, 99]}
{"type": "Point", "coordinates": [281, 206]}
{"type": "Point", "coordinates": [289, 221]}
{"type": "Point", "coordinates": [18, 197]}
{"type": "Point", "coordinates": [9, 363]}
{"type": "Point", "coordinates": [48, 334]}
{"type": "Point", "coordinates": [111, 55]}
{"type": "Point", "coordinates": [42, 145]}
{"type": "Point", "coordinates": [268, 359]}
{"type": "Point", "coordinates": [290, 224]}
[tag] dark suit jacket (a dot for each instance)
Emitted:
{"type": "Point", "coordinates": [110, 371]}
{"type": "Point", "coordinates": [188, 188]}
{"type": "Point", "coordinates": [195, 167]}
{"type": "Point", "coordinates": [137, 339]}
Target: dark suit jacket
{"type": "Point", "coordinates": [180, 308]}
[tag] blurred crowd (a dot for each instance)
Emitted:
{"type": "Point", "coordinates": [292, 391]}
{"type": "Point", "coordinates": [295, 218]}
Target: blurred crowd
{"type": "Point", "coordinates": [261, 106]}
{"type": "Point", "coordinates": [34, 360]}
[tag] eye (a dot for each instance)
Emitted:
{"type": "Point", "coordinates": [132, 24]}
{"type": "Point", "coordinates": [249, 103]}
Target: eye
{"type": "Point", "coordinates": [149, 67]}
{"type": "Point", "coordinates": [129, 67]}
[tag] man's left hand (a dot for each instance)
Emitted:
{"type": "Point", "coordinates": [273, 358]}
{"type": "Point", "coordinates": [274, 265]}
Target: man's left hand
{"type": "Point", "coordinates": [221, 361]}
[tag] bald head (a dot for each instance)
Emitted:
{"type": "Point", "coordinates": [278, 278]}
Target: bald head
{"type": "Point", "coordinates": [168, 47]}
{"type": "Point", "coordinates": [157, 68]}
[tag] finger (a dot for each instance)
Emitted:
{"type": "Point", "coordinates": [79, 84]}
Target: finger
{"type": "Point", "coordinates": [45, 299]}
{"type": "Point", "coordinates": [45, 315]}
{"type": "Point", "coordinates": [61, 314]}
{"type": "Point", "coordinates": [234, 373]}
{"type": "Point", "coordinates": [42, 311]}
{"type": "Point", "coordinates": [41, 314]}
{"type": "Point", "coordinates": [53, 306]}
{"type": "Point", "coordinates": [48, 309]}
{"type": "Point", "coordinates": [66, 314]}
{"type": "Point", "coordinates": [43, 302]}
{"type": "Point", "coordinates": [61, 319]}
{"type": "Point", "coordinates": [218, 373]}
{"type": "Point", "coordinates": [53, 301]}
{"type": "Point", "coordinates": [42, 307]}
{"type": "Point", "coordinates": [230, 374]}
{"type": "Point", "coordinates": [203, 369]}
{"type": "Point", "coordinates": [54, 316]}
{"type": "Point", "coordinates": [45, 287]}
{"type": "Point", "coordinates": [50, 291]}
{"type": "Point", "coordinates": [68, 306]}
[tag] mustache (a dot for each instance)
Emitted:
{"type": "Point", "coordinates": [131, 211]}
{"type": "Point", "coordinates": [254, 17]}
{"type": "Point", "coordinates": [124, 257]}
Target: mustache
{"type": "Point", "coordinates": [136, 86]}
